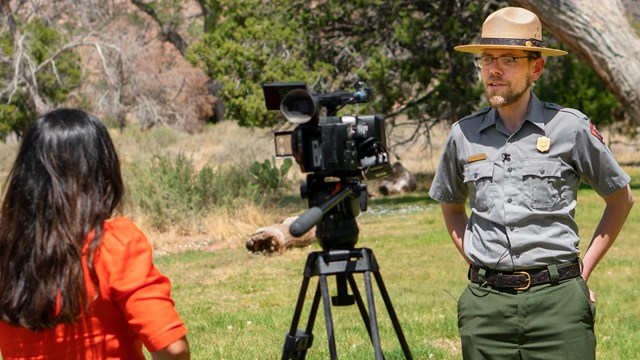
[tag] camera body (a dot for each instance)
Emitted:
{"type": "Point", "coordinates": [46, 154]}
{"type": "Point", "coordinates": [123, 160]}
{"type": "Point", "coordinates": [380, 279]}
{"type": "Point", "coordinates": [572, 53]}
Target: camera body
{"type": "Point", "coordinates": [324, 143]}
{"type": "Point", "coordinates": [336, 152]}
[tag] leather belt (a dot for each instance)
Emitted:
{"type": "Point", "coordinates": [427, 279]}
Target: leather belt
{"type": "Point", "coordinates": [523, 279]}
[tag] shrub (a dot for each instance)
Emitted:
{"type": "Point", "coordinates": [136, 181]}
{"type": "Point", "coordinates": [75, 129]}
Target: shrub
{"type": "Point", "coordinates": [267, 177]}
{"type": "Point", "coordinates": [170, 191]}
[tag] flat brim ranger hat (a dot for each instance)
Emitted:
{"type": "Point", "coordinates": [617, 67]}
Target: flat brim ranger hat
{"type": "Point", "coordinates": [511, 28]}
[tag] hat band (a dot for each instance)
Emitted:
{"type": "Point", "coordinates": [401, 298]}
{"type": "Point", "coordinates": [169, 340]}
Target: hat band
{"type": "Point", "coordinates": [512, 42]}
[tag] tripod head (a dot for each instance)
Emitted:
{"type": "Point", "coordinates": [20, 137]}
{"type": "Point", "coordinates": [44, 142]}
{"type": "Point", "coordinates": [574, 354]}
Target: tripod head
{"type": "Point", "coordinates": [334, 203]}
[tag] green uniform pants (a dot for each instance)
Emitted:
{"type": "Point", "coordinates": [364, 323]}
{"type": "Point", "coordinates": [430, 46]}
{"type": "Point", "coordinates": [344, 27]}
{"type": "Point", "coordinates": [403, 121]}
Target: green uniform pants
{"type": "Point", "coordinates": [544, 322]}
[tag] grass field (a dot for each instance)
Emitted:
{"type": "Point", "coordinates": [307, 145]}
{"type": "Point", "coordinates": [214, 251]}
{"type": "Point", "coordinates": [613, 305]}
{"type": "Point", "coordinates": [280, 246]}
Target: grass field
{"type": "Point", "coordinates": [239, 306]}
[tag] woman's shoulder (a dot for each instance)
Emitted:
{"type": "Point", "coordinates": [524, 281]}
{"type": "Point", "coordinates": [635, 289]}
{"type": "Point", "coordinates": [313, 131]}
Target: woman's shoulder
{"type": "Point", "coordinates": [120, 223]}
{"type": "Point", "coordinates": [122, 232]}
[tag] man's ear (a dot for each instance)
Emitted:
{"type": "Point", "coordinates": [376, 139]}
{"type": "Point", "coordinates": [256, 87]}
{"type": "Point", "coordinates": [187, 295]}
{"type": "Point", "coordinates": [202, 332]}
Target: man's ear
{"type": "Point", "coordinates": [537, 68]}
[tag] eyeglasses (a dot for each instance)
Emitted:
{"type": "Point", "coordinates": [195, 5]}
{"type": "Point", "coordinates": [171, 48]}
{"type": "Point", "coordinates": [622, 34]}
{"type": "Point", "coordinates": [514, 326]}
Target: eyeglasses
{"type": "Point", "coordinates": [503, 61]}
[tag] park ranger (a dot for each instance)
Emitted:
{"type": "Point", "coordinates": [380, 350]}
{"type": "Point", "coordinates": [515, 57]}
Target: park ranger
{"type": "Point", "coordinates": [520, 162]}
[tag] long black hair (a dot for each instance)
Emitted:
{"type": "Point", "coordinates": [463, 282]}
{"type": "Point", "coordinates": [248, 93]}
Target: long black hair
{"type": "Point", "coordinates": [65, 182]}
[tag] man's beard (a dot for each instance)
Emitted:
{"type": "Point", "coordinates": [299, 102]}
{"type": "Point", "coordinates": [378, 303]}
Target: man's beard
{"type": "Point", "coordinates": [509, 97]}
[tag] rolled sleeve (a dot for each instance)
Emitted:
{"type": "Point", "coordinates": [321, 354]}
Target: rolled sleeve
{"type": "Point", "coordinates": [448, 183]}
{"type": "Point", "coordinates": [140, 290]}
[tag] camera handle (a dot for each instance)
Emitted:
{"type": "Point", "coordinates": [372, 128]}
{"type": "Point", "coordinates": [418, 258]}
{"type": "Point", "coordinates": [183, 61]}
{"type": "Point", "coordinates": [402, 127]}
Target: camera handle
{"type": "Point", "coordinates": [314, 215]}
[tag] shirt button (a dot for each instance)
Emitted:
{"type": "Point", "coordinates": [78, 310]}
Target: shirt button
{"type": "Point", "coordinates": [509, 200]}
{"type": "Point", "coordinates": [542, 171]}
{"type": "Point", "coordinates": [518, 256]}
{"type": "Point", "coordinates": [475, 176]}
{"type": "Point", "coordinates": [511, 228]}
{"type": "Point", "coordinates": [510, 169]}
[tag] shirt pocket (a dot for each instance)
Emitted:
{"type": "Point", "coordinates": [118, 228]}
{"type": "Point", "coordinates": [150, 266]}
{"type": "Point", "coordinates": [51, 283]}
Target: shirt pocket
{"type": "Point", "coordinates": [479, 179]}
{"type": "Point", "coordinates": [542, 183]}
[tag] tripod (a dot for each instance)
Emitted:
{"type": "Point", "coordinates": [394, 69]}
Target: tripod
{"type": "Point", "coordinates": [343, 264]}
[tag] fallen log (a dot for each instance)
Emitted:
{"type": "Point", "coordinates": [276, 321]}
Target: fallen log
{"type": "Point", "coordinates": [276, 238]}
{"type": "Point", "coordinates": [400, 182]}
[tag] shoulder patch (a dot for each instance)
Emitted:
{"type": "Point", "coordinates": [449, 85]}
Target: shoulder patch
{"type": "Point", "coordinates": [596, 133]}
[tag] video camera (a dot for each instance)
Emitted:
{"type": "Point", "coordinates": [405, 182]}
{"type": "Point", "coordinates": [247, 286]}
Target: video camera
{"type": "Point", "coordinates": [337, 152]}
{"type": "Point", "coordinates": [324, 143]}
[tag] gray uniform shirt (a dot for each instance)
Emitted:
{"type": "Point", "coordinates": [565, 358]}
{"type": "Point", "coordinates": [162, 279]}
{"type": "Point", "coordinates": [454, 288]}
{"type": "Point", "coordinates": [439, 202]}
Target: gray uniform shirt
{"type": "Point", "coordinates": [523, 188]}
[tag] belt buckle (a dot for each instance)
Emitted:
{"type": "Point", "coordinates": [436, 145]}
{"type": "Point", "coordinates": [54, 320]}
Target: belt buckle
{"type": "Point", "coordinates": [523, 288]}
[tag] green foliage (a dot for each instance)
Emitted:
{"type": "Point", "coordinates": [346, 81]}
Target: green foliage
{"type": "Point", "coordinates": [635, 24]}
{"type": "Point", "coordinates": [569, 82]}
{"type": "Point", "coordinates": [63, 74]}
{"type": "Point", "coordinates": [15, 116]}
{"type": "Point", "coordinates": [6, 45]}
{"type": "Point", "coordinates": [168, 11]}
{"type": "Point", "coordinates": [399, 49]}
{"type": "Point", "coordinates": [55, 80]}
{"type": "Point", "coordinates": [165, 189]}
{"type": "Point", "coordinates": [254, 42]}
{"type": "Point", "coordinates": [171, 192]}
{"type": "Point", "coordinates": [267, 176]}
{"type": "Point", "coordinates": [403, 50]}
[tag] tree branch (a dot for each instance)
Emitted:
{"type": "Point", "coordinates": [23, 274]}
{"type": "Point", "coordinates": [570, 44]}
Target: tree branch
{"type": "Point", "coordinates": [168, 29]}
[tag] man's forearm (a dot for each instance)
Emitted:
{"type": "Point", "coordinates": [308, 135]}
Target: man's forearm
{"type": "Point", "coordinates": [455, 218]}
{"type": "Point", "coordinates": [613, 218]}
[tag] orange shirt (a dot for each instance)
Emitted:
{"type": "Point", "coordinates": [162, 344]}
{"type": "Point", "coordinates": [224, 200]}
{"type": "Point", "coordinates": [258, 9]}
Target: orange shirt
{"type": "Point", "coordinates": [133, 307]}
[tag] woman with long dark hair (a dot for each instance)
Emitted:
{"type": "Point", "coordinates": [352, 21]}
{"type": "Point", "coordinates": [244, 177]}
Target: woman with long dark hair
{"type": "Point", "coordinates": [74, 283]}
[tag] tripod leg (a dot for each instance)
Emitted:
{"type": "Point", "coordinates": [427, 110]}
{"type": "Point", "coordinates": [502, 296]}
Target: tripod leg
{"type": "Point", "coordinates": [360, 303]}
{"type": "Point", "coordinates": [375, 334]}
{"type": "Point", "coordinates": [314, 310]}
{"type": "Point", "coordinates": [296, 342]}
{"type": "Point", "coordinates": [324, 288]}
{"type": "Point", "coordinates": [392, 315]}
{"type": "Point", "coordinates": [299, 305]}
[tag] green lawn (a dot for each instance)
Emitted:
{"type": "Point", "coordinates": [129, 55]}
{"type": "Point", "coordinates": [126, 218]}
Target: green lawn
{"type": "Point", "coordinates": [239, 306]}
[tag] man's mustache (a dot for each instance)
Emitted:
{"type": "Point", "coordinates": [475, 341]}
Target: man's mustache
{"type": "Point", "coordinates": [497, 79]}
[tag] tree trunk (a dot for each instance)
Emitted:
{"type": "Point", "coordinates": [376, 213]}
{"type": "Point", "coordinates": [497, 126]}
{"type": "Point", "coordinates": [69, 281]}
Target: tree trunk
{"type": "Point", "coordinates": [598, 32]}
{"type": "Point", "coordinates": [276, 238]}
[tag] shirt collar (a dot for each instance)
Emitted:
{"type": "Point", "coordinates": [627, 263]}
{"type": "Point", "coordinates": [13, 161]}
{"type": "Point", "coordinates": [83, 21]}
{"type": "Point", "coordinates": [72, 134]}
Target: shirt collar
{"type": "Point", "coordinates": [534, 114]}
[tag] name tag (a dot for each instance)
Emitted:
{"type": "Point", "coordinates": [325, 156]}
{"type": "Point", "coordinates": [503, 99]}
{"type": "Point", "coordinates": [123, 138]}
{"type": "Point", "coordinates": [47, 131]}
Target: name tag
{"type": "Point", "coordinates": [477, 157]}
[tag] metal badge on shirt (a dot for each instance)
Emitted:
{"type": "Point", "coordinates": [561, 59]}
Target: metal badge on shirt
{"type": "Point", "coordinates": [543, 144]}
